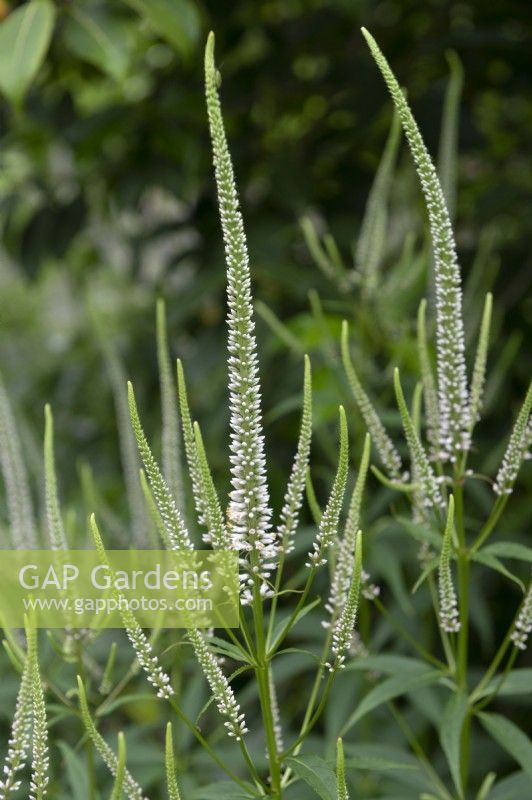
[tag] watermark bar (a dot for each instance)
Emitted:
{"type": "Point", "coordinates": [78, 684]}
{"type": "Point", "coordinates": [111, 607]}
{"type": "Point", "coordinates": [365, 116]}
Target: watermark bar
{"type": "Point", "coordinates": [161, 588]}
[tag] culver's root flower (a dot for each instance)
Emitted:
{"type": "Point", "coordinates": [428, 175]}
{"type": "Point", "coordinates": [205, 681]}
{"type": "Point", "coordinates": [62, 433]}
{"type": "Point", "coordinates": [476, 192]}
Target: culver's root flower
{"type": "Point", "coordinates": [19, 739]}
{"type": "Point", "coordinates": [341, 785]}
{"type": "Point", "coordinates": [449, 617]}
{"type": "Point", "coordinates": [142, 647]}
{"type": "Point", "coordinates": [328, 527]}
{"type": "Point", "coordinates": [517, 449]}
{"type": "Point", "coordinates": [343, 629]}
{"type": "Point", "coordinates": [222, 692]}
{"type": "Point", "coordinates": [249, 499]}
{"type": "Point", "coordinates": [130, 786]}
{"type": "Point", "coordinates": [454, 415]}
{"type": "Point", "coordinates": [40, 761]}
{"type": "Point", "coordinates": [296, 485]}
{"type": "Point", "coordinates": [523, 623]}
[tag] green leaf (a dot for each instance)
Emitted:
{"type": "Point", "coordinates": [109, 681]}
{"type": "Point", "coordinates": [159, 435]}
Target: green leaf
{"type": "Point", "coordinates": [511, 738]}
{"type": "Point", "coordinates": [99, 37]}
{"type": "Point", "coordinates": [177, 21]}
{"type": "Point", "coordinates": [374, 763]}
{"type": "Point", "coordinates": [514, 787]}
{"type": "Point", "coordinates": [492, 562]}
{"type": "Point", "coordinates": [24, 39]}
{"type": "Point", "coordinates": [517, 681]}
{"type": "Point", "coordinates": [317, 773]}
{"type": "Point", "coordinates": [222, 790]}
{"type": "Point", "coordinates": [76, 772]}
{"type": "Point", "coordinates": [452, 722]}
{"type": "Point", "coordinates": [387, 690]}
{"type": "Point", "coordinates": [390, 665]}
{"type": "Point", "coordinates": [509, 550]}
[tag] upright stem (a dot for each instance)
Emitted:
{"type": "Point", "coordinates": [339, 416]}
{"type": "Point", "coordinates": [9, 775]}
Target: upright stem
{"type": "Point", "coordinates": [89, 749]}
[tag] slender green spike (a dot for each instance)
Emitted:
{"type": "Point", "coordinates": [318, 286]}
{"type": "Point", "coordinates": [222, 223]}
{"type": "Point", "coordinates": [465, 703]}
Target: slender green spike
{"type": "Point", "coordinates": [118, 787]}
{"type": "Point", "coordinates": [40, 759]}
{"type": "Point", "coordinates": [430, 394]}
{"type": "Point", "coordinates": [449, 617]}
{"type": "Point", "coordinates": [107, 677]}
{"type": "Point", "coordinates": [293, 498]}
{"type": "Point", "coordinates": [479, 369]}
{"type": "Point", "coordinates": [153, 512]}
{"type": "Point", "coordinates": [56, 530]}
{"type": "Point", "coordinates": [217, 534]}
{"type": "Point", "coordinates": [346, 553]}
{"type": "Point", "coordinates": [372, 238]}
{"type": "Point", "coordinates": [131, 787]}
{"type": "Point", "coordinates": [327, 258]}
{"type": "Point", "coordinates": [341, 785]}
{"type": "Point", "coordinates": [345, 624]}
{"type": "Point", "coordinates": [516, 450]}
{"type": "Point", "coordinates": [171, 445]}
{"type": "Point", "coordinates": [249, 498]}
{"type": "Point", "coordinates": [328, 527]}
{"type": "Point", "coordinates": [189, 442]}
{"type": "Point", "coordinates": [448, 149]}
{"type": "Point", "coordinates": [415, 411]}
{"type": "Point", "coordinates": [171, 782]}
{"type": "Point", "coordinates": [19, 739]}
{"type": "Point", "coordinates": [173, 522]}
{"type": "Point", "coordinates": [421, 468]}
{"type": "Point", "coordinates": [453, 395]}
{"type": "Point", "coordinates": [523, 623]}
{"type": "Point", "coordinates": [385, 447]}
{"type": "Point", "coordinates": [18, 495]}
{"type": "Point", "coordinates": [142, 647]}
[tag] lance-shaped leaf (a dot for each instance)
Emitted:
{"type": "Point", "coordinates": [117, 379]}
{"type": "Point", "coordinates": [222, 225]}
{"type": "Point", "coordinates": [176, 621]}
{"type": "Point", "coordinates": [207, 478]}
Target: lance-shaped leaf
{"type": "Point", "coordinates": [430, 394]}
{"type": "Point", "coordinates": [293, 498]}
{"type": "Point", "coordinates": [449, 617]}
{"type": "Point", "coordinates": [171, 445]}
{"type": "Point", "coordinates": [131, 787]}
{"type": "Point", "coordinates": [18, 496]}
{"type": "Point", "coordinates": [517, 448]}
{"type": "Point", "coordinates": [448, 149]}
{"type": "Point", "coordinates": [341, 785]}
{"type": "Point", "coordinates": [328, 527]}
{"type": "Point", "coordinates": [452, 380]}
{"type": "Point", "coordinates": [372, 237]}
{"type": "Point", "coordinates": [169, 760]}
{"type": "Point", "coordinates": [249, 500]}
{"type": "Point", "coordinates": [173, 522]}
{"type": "Point", "coordinates": [421, 469]}
{"type": "Point", "coordinates": [479, 368]}
{"type": "Point", "coordinates": [385, 447]}
{"type": "Point", "coordinates": [346, 552]}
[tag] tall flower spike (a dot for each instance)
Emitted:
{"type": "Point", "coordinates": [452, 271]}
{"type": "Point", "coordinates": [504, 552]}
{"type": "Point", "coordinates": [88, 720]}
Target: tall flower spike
{"type": "Point", "coordinates": [372, 237]}
{"type": "Point", "coordinates": [296, 485]}
{"type": "Point", "coordinates": [517, 448]}
{"type": "Point", "coordinates": [118, 787]}
{"type": "Point", "coordinates": [131, 787]}
{"type": "Point", "coordinates": [169, 760]}
{"type": "Point", "coordinates": [385, 447]}
{"type": "Point", "coordinates": [328, 527]}
{"type": "Point", "coordinates": [171, 445]}
{"type": "Point", "coordinates": [40, 763]}
{"type": "Point", "coordinates": [19, 740]}
{"type": "Point", "coordinates": [189, 442]}
{"type": "Point", "coordinates": [479, 369]}
{"type": "Point", "coordinates": [346, 553]}
{"type": "Point", "coordinates": [421, 468]}
{"type": "Point", "coordinates": [217, 534]}
{"type": "Point", "coordinates": [523, 623]}
{"type": "Point", "coordinates": [221, 690]}
{"type": "Point", "coordinates": [341, 785]}
{"type": "Point", "coordinates": [142, 647]}
{"type": "Point", "coordinates": [452, 379]}
{"type": "Point", "coordinates": [56, 531]}
{"type": "Point", "coordinates": [249, 501]}
{"type": "Point", "coordinates": [430, 394]}
{"type": "Point", "coordinates": [344, 626]}
{"type": "Point", "coordinates": [172, 519]}
{"type": "Point", "coordinates": [449, 618]}
{"type": "Point", "coordinates": [18, 497]}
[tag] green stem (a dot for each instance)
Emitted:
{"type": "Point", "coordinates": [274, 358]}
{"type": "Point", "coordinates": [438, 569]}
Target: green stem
{"type": "Point", "coordinates": [295, 612]}
{"type": "Point", "coordinates": [420, 650]}
{"type": "Point", "coordinates": [490, 523]}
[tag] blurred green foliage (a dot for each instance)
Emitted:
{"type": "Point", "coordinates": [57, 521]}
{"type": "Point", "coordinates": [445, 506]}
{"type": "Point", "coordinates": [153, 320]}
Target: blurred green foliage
{"type": "Point", "coordinates": [107, 202]}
